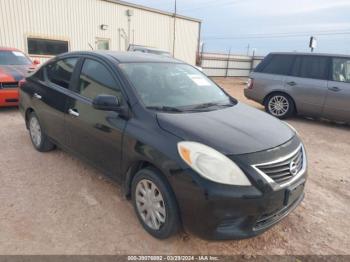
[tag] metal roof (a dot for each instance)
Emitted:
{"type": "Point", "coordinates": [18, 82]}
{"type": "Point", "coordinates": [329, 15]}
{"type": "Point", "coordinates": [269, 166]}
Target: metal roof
{"type": "Point", "coordinates": [153, 10]}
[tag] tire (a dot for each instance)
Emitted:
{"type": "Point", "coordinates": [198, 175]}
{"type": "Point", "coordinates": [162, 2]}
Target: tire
{"type": "Point", "coordinates": [280, 105]}
{"type": "Point", "coordinates": [164, 211]}
{"type": "Point", "coordinates": [39, 140]}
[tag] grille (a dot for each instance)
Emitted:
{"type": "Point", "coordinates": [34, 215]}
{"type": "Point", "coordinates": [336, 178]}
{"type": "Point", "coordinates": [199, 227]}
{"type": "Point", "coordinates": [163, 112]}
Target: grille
{"type": "Point", "coordinates": [9, 85]}
{"type": "Point", "coordinates": [284, 170]}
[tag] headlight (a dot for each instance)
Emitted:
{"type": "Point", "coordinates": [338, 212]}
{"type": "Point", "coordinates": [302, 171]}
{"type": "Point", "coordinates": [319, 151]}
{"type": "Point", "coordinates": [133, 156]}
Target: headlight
{"type": "Point", "coordinates": [211, 164]}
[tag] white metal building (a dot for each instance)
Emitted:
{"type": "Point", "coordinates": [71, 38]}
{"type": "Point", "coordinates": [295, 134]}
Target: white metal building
{"type": "Point", "coordinates": [44, 28]}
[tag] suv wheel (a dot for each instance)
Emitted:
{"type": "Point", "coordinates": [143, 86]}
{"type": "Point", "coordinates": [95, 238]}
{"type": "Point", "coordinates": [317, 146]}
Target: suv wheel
{"type": "Point", "coordinates": [279, 105]}
{"type": "Point", "coordinates": [155, 204]}
{"type": "Point", "coordinates": [39, 139]}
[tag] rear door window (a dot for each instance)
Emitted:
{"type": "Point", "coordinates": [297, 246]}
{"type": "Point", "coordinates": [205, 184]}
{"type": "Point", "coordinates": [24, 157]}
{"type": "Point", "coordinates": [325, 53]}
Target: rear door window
{"type": "Point", "coordinates": [315, 67]}
{"type": "Point", "coordinates": [60, 72]}
{"type": "Point", "coordinates": [278, 64]}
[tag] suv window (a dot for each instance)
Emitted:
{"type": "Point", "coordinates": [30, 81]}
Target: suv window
{"type": "Point", "coordinates": [341, 70]}
{"type": "Point", "coordinates": [95, 79]}
{"type": "Point", "coordinates": [278, 64]}
{"type": "Point", "coordinates": [311, 67]}
{"type": "Point", "coordinates": [60, 72]}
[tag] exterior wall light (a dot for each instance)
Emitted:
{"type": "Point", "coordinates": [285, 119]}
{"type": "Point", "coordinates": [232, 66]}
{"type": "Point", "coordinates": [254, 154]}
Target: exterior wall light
{"type": "Point", "coordinates": [104, 27]}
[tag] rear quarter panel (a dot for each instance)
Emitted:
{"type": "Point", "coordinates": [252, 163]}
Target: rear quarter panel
{"type": "Point", "coordinates": [265, 84]}
{"type": "Point", "coordinates": [24, 99]}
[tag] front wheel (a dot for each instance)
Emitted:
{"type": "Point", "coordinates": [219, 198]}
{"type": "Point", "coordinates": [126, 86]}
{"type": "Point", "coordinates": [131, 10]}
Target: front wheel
{"type": "Point", "coordinates": [39, 139]}
{"type": "Point", "coordinates": [279, 105]}
{"type": "Point", "coordinates": [155, 204]}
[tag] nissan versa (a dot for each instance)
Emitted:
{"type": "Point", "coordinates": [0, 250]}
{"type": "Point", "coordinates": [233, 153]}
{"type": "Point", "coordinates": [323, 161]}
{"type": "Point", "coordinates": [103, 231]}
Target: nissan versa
{"type": "Point", "coordinates": [186, 153]}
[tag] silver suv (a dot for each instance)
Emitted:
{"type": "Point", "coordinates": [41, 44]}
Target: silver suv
{"type": "Point", "coordinates": [316, 85]}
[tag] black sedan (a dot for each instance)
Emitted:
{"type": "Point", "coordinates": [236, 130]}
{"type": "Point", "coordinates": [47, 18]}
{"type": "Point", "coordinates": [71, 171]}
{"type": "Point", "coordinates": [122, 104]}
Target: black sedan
{"type": "Point", "coordinates": [185, 152]}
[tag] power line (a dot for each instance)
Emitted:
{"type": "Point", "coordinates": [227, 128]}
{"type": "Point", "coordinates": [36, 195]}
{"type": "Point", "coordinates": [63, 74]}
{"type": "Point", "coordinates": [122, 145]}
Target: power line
{"type": "Point", "coordinates": [212, 4]}
{"type": "Point", "coordinates": [209, 2]}
{"type": "Point", "coordinates": [277, 35]}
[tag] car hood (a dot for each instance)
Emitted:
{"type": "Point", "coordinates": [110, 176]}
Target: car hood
{"type": "Point", "coordinates": [236, 130]}
{"type": "Point", "coordinates": [14, 73]}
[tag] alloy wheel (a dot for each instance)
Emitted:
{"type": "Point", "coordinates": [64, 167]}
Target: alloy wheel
{"type": "Point", "coordinates": [278, 105]}
{"type": "Point", "coordinates": [35, 131]}
{"type": "Point", "coordinates": [150, 204]}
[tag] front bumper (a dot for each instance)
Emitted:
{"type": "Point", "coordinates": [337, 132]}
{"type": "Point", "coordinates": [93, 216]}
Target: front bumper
{"type": "Point", "coordinates": [216, 211]}
{"type": "Point", "coordinates": [229, 212]}
{"type": "Point", "coordinates": [8, 97]}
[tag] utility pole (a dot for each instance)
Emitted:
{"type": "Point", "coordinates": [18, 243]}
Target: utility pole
{"type": "Point", "coordinates": [248, 49]}
{"type": "Point", "coordinates": [129, 14]}
{"type": "Point", "coordinates": [174, 37]}
{"type": "Point", "coordinates": [228, 61]}
{"type": "Point", "coordinates": [253, 60]}
{"type": "Point", "coordinates": [202, 51]}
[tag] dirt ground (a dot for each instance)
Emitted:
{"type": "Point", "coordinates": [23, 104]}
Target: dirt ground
{"type": "Point", "coordinates": [53, 203]}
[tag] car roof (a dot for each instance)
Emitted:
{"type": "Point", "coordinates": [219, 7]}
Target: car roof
{"type": "Point", "coordinates": [151, 48]}
{"type": "Point", "coordinates": [309, 54]}
{"type": "Point", "coordinates": [128, 57]}
{"type": "Point", "coordinates": [9, 49]}
{"type": "Point", "coordinates": [145, 46]}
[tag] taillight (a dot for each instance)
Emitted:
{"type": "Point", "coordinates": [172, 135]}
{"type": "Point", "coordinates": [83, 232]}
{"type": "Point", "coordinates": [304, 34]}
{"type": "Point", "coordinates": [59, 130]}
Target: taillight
{"type": "Point", "coordinates": [21, 83]}
{"type": "Point", "coordinates": [250, 83]}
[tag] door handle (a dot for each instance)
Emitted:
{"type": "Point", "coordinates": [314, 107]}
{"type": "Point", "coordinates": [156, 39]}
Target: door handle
{"type": "Point", "coordinates": [73, 112]}
{"type": "Point", "coordinates": [37, 96]}
{"type": "Point", "coordinates": [334, 89]}
{"type": "Point", "coordinates": [292, 83]}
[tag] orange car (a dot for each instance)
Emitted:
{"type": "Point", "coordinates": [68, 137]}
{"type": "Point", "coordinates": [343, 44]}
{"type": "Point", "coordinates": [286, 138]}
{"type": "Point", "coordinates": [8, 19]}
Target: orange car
{"type": "Point", "coordinates": [14, 66]}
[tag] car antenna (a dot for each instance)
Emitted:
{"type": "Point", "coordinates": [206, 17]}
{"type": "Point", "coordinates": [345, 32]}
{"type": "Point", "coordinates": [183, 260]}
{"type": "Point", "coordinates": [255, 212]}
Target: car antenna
{"type": "Point", "coordinates": [91, 46]}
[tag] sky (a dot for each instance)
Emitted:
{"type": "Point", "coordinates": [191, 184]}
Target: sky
{"type": "Point", "coordinates": [266, 25]}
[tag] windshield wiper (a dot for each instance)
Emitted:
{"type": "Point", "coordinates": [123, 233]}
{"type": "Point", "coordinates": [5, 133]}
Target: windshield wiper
{"type": "Point", "coordinates": [165, 108]}
{"type": "Point", "coordinates": [205, 105]}
{"type": "Point", "coordinates": [208, 105]}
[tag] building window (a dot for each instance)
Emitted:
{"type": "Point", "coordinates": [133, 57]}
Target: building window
{"type": "Point", "coordinates": [39, 46]}
{"type": "Point", "coordinates": [102, 44]}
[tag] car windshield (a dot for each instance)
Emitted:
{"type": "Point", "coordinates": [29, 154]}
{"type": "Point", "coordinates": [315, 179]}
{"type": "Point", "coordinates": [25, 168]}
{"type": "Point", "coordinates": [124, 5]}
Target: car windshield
{"type": "Point", "coordinates": [13, 58]}
{"type": "Point", "coordinates": [174, 87]}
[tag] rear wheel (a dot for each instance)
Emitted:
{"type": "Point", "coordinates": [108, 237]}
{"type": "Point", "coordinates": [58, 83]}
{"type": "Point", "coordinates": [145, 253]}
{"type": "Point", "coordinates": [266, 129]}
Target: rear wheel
{"type": "Point", "coordinates": [155, 204]}
{"type": "Point", "coordinates": [280, 105]}
{"type": "Point", "coordinates": [39, 139]}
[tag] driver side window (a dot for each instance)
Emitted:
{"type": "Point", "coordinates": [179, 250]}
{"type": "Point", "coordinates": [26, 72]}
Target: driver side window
{"type": "Point", "coordinates": [95, 79]}
{"type": "Point", "coordinates": [341, 70]}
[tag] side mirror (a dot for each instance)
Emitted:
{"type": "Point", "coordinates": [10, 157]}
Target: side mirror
{"type": "Point", "coordinates": [36, 62]}
{"type": "Point", "coordinates": [106, 103]}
